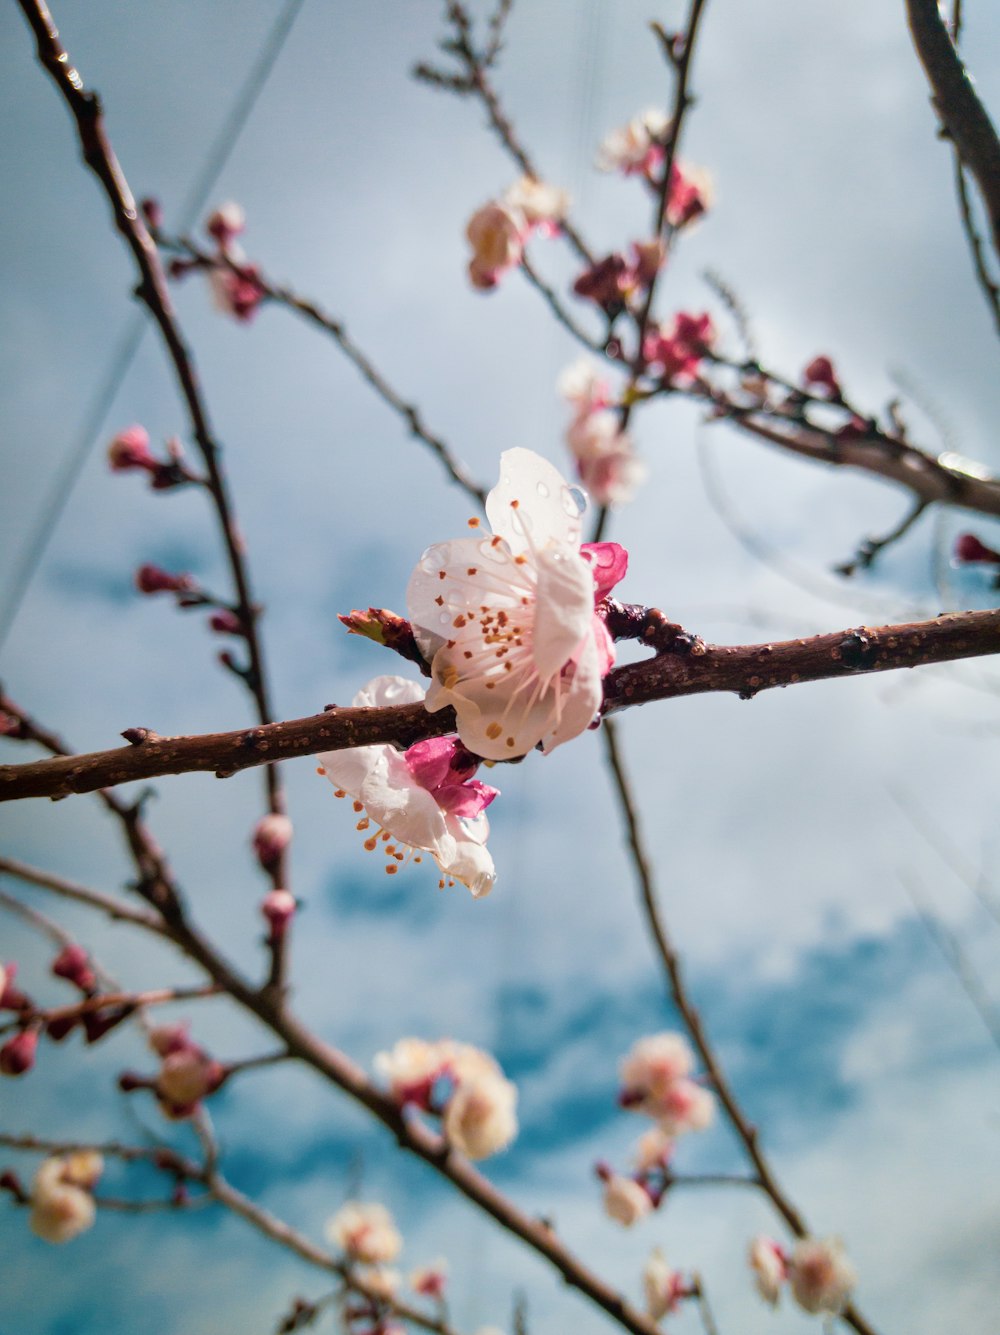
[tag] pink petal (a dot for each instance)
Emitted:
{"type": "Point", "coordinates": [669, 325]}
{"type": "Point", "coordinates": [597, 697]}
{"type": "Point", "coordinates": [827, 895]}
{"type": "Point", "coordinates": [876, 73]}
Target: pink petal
{"type": "Point", "coordinates": [609, 561]}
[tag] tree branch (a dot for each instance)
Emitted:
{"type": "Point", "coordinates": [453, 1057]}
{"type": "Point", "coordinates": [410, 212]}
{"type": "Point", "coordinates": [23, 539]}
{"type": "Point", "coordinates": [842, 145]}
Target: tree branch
{"type": "Point", "coordinates": [687, 667]}
{"type": "Point", "coordinates": [963, 116]}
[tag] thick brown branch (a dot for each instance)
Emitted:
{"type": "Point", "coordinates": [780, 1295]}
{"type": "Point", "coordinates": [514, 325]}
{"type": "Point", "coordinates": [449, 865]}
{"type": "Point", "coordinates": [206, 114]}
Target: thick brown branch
{"type": "Point", "coordinates": [690, 667]}
{"type": "Point", "coordinates": [963, 116]}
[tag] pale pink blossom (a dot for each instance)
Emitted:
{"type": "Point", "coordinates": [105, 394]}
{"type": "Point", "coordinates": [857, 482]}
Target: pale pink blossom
{"type": "Point", "coordinates": [651, 1067]}
{"type": "Point", "coordinates": [423, 800]}
{"type": "Point", "coordinates": [664, 1287]}
{"type": "Point", "coordinates": [496, 232]}
{"type": "Point", "coordinates": [379, 1282]}
{"type": "Point", "coordinates": [583, 386]}
{"type": "Point", "coordinates": [542, 206]}
{"type": "Point", "coordinates": [653, 1150]}
{"type": "Point", "coordinates": [366, 1232]}
{"type": "Point", "coordinates": [625, 1200]}
{"type": "Point", "coordinates": [691, 195]}
{"type": "Point", "coordinates": [606, 462]}
{"type": "Point", "coordinates": [430, 1280]}
{"type": "Point", "coordinates": [411, 1068]}
{"type": "Point", "coordinates": [236, 291]}
{"type": "Point", "coordinates": [480, 1117]}
{"type": "Point", "coordinates": [61, 1208]}
{"type": "Point", "coordinates": [820, 1275]}
{"type": "Point", "coordinates": [769, 1264]}
{"type": "Point", "coordinates": [508, 622]}
{"type": "Point", "coordinates": [226, 222]}
{"type": "Point", "coordinates": [685, 1106]}
{"type": "Point", "coordinates": [83, 1168]}
{"type": "Point", "coordinates": [635, 147]}
{"type": "Point", "coordinates": [678, 349]}
{"type": "Point", "coordinates": [130, 450]}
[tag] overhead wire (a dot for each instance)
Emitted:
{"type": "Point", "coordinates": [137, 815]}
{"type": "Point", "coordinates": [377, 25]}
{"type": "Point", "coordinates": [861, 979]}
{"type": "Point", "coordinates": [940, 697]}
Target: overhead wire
{"type": "Point", "coordinates": [69, 468]}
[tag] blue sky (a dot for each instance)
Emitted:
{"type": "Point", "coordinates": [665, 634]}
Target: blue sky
{"type": "Point", "coordinates": [779, 846]}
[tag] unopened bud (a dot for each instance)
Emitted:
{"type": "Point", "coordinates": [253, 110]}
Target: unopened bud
{"type": "Point", "coordinates": [968, 548]}
{"type": "Point", "coordinates": [17, 1055]}
{"type": "Point", "coordinates": [154, 579]}
{"type": "Point", "coordinates": [820, 374]}
{"type": "Point", "coordinates": [60, 1028]}
{"type": "Point", "coordinates": [98, 1023]}
{"type": "Point", "coordinates": [130, 450]}
{"type": "Point", "coordinates": [11, 996]}
{"type": "Point", "coordinates": [129, 1081]}
{"type": "Point", "coordinates": [167, 1038]}
{"type": "Point", "coordinates": [278, 907]}
{"type": "Point", "coordinates": [73, 964]}
{"type": "Point", "coordinates": [226, 623]}
{"type": "Point", "coordinates": [271, 836]}
{"type": "Point", "coordinates": [152, 211]}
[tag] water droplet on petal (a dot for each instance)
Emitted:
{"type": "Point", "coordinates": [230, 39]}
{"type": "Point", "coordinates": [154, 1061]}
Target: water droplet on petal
{"type": "Point", "coordinates": [444, 618]}
{"type": "Point", "coordinates": [428, 564]}
{"type": "Point", "coordinates": [574, 501]}
{"type": "Point", "coordinates": [542, 489]}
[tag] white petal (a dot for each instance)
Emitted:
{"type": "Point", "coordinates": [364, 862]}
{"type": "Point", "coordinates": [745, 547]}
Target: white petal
{"type": "Point", "coordinates": [580, 698]}
{"type": "Point", "coordinates": [548, 510]}
{"type": "Point", "coordinates": [470, 864]}
{"type": "Point", "coordinates": [564, 608]}
{"type": "Point", "coordinates": [455, 579]}
{"type": "Point", "coordinates": [382, 691]}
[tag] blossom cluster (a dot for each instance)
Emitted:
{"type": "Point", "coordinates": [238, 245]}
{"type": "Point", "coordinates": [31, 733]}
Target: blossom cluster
{"type": "Point", "coordinates": [62, 1201]}
{"type": "Point", "coordinates": [500, 229]}
{"type": "Point", "coordinates": [657, 1082]}
{"type": "Point", "coordinates": [236, 285]}
{"type": "Point", "coordinates": [817, 1271]}
{"type": "Point", "coordinates": [187, 1073]}
{"type": "Point", "coordinates": [459, 1083]}
{"type": "Point", "coordinates": [606, 462]}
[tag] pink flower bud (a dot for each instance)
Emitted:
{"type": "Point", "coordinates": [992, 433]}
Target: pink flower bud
{"type": "Point", "coordinates": [61, 1028]}
{"type": "Point", "coordinates": [179, 268]}
{"type": "Point", "coordinates": [185, 1078]}
{"type": "Point", "coordinates": [11, 727]}
{"type": "Point", "coordinates": [968, 548]}
{"type": "Point", "coordinates": [73, 964]}
{"type": "Point", "coordinates": [607, 282]}
{"type": "Point", "coordinates": [278, 907]}
{"type": "Point", "coordinates": [690, 196]}
{"type": "Point", "coordinates": [18, 1054]}
{"type": "Point", "coordinates": [98, 1023]}
{"type": "Point", "coordinates": [11, 996]}
{"type": "Point", "coordinates": [153, 579]}
{"type": "Point", "coordinates": [271, 836]}
{"type": "Point", "coordinates": [167, 1038]}
{"type": "Point", "coordinates": [821, 375]}
{"type": "Point", "coordinates": [226, 623]}
{"type": "Point", "coordinates": [130, 450]}
{"type": "Point", "coordinates": [152, 211]}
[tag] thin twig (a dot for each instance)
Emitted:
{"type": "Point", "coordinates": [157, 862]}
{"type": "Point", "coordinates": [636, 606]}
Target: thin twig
{"type": "Point", "coordinates": [153, 291]}
{"type": "Point", "coordinates": [115, 909]}
{"type": "Point", "coordinates": [990, 289]}
{"type": "Point", "coordinates": [924, 824]}
{"type": "Point", "coordinates": [956, 957]}
{"type": "Point", "coordinates": [690, 1017]}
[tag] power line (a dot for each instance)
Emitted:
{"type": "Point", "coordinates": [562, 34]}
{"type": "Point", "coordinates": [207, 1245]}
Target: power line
{"type": "Point", "coordinates": [68, 471]}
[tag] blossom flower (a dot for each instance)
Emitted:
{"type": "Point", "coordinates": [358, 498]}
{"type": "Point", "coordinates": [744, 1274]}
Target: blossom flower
{"type": "Point", "coordinates": [679, 350]}
{"type": "Point", "coordinates": [411, 1069]}
{"type": "Point", "coordinates": [625, 1200]}
{"type": "Point", "coordinates": [542, 206]}
{"type": "Point", "coordinates": [366, 1232]}
{"type": "Point", "coordinates": [236, 291]}
{"type": "Point", "coordinates": [496, 232]}
{"type": "Point", "coordinates": [583, 387]}
{"type": "Point", "coordinates": [61, 1205]}
{"type": "Point", "coordinates": [508, 622]}
{"type": "Point", "coordinates": [690, 196]}
{"type": "Point", "coordinates": [379, 1282]}
{"type": "Point", "coordinates": [430, 1280]}
{"type": "Point", "coordinates": [226, 223]}
{"type": "Point", "coordinates": [820, 1275]}
{"type": "Point", "coordinates": [606, 462]}
{"type": "Point", "coordinates": [154, 579]}
{"type": "Point", "coordinates": [636, 147]}
{"type": "Point", "coordinates": [424, 799]}
{"type": "Point", "coordinates": [653, 1150]}
{"type": "Point", "coordinates": [652, 1065]}
{"type": "Point", "coordinates": [608, 282]}
{"type": "Point", "coordinates": [480, 1118]}
{"type": "Point", "coordinates": [769, 1264]}
{"type": "Point", "coordinates": [73, 964]}
{"type": "Point", "coordinates": [663, 1286]}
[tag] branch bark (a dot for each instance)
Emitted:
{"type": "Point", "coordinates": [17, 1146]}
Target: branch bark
{"type": "Point", "coordinates": [963, 116]}
{"type": "Point", "coordinates": [687, 666]}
